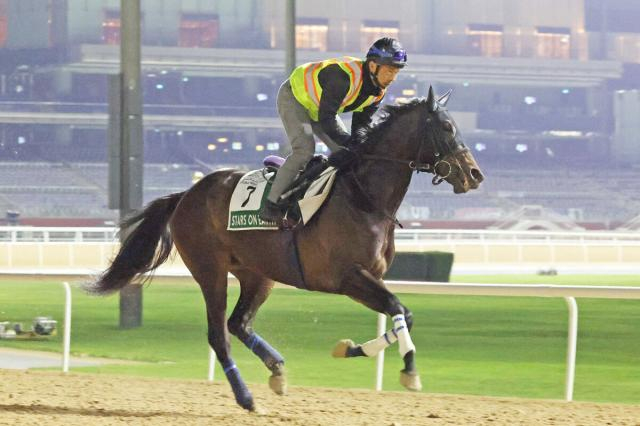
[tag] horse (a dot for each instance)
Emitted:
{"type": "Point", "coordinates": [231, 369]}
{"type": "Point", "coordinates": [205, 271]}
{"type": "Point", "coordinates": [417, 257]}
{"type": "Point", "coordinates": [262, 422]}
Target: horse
{"type": "Point", "coordinates": [345, 249]}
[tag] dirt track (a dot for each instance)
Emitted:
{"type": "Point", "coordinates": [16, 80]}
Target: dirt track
{"type": "Point", "coordinates": [50, 398]}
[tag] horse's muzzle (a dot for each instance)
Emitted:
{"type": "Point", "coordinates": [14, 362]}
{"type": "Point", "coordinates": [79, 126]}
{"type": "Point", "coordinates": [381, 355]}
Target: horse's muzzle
{"type": "Point", "coordinates": [465, 173]}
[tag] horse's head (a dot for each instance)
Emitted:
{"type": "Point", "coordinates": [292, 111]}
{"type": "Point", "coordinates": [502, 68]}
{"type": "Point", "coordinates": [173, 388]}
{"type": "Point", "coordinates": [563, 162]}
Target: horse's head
{"type": "Point", "coordinates": [442, 150]}
{"type": "Point", "coordinates": [422, 134]}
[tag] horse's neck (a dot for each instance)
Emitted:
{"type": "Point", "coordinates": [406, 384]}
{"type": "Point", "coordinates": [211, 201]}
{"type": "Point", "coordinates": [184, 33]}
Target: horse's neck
{"type": "Point", "coordinates": [385, 185]}
{"type": "Point", "coordinates": [386, 182]}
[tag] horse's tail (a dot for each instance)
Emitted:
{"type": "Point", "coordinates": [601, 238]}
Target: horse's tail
{"type": "Point", "coordinates": [139, 253]}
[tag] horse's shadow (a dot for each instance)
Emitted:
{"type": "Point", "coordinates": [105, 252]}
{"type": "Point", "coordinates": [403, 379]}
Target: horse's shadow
{"type": "Point", "coordinates": [36, 409]}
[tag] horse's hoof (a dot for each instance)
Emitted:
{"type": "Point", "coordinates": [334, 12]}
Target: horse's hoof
{"type": "Point", "coordinates": [278, 384]}
{"type": "Point", "coordinates": [245, 400]}
{"type": "Point", "coordinates": [247, 403]}
{"type": "Point", "coordinates": [340, 350]}
{"type": "Point", "coordinates": [411, 381]}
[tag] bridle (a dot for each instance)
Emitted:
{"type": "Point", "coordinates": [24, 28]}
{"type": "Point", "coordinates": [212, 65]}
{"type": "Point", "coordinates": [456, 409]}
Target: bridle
{"type": "Point", "coordinates": [422, 167]}
{"type": "Point", "coordinates": [416, 165]}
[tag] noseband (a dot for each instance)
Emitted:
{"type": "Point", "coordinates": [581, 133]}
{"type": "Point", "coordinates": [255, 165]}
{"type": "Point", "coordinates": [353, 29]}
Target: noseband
{"type": "Point", "coordinates": [441, 177]}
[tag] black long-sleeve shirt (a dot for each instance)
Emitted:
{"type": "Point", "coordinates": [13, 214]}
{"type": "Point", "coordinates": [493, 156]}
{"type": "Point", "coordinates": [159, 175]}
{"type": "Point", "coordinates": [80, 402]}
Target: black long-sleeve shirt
{"type": "Point", "coordinates": [335, 85]}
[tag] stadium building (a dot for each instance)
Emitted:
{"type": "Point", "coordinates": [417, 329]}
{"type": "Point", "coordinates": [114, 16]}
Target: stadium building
{"type": "Point", "coordinates": [546, 94]}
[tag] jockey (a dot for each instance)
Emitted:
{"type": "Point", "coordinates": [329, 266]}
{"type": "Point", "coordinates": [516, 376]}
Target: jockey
{"type": "Point", "coordinates": [310, 100]}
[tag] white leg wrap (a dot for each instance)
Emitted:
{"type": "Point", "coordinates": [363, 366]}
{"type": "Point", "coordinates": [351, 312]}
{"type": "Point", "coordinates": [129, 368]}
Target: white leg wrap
{"type": "Point", "coordinates": [401, 330]}
{"type": "Point", "coordinates": [373, 347]}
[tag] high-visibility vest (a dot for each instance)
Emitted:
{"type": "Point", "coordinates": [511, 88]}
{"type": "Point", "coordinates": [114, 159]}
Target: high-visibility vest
{"type": "Point", "coordinates": [307, 90]}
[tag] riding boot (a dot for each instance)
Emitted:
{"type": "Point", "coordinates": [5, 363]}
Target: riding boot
{"type": "Point", "coordinates": [271, 212]}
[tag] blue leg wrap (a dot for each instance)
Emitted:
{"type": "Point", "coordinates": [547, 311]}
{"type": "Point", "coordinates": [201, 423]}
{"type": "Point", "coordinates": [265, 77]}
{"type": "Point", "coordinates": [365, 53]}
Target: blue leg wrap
{"type": "Point", "coordinates": [240, 390]}
{"type": "Point", "coordinates": [264, 351]}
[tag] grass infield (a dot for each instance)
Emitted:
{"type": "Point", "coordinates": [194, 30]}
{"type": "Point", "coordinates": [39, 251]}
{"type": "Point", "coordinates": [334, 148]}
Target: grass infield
{"type": "Point", "coordinates": [500, 346]}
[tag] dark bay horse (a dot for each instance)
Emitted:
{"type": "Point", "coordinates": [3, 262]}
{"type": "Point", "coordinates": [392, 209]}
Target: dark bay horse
{"type": "Point", "coordinates": [345, 249]}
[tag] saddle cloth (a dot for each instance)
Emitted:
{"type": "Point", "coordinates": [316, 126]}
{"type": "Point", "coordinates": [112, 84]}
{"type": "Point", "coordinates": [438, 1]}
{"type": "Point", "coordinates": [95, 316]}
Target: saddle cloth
{"type": "Point", "coordinates": [251, 192]}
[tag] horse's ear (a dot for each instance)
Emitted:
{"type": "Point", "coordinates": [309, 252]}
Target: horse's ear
{"type": "Point", "coordinates": [442, 100]}
{"type": "Point", "coordinates": [432, 103]}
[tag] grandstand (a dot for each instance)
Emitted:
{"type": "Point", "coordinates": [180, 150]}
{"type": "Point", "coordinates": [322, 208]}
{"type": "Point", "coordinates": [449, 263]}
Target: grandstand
{"type": "Point", "coordinates": [79, 190]}
{"type": "Point", "coordinates": [547, 100]}
{"type": "Point", "coordinates": [579, 195]}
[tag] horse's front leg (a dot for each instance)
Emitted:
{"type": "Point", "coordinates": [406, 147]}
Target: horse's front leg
{"type": "Point", "coordinates": [360, 285]}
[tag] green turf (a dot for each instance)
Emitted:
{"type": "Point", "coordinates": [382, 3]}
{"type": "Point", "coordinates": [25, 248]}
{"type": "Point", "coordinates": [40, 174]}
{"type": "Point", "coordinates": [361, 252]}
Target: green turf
{"type": "Point", "coordinates": [476, 345]}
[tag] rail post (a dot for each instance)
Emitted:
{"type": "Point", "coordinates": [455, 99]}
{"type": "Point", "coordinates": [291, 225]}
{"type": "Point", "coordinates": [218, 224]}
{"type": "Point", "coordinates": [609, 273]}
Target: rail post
{"type": "Point", "coordinates": [66, 341]}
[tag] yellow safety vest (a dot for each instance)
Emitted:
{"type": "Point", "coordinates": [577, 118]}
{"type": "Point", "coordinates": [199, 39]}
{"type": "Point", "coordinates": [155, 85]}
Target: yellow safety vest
{"type": "Point", "coordinates": [307, 90]}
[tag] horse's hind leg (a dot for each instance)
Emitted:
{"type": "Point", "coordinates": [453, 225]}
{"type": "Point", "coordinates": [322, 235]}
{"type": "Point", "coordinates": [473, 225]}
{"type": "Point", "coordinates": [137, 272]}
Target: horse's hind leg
{"type": "Point", "coordinates": [199, 255]}
{"type": "Point", "coordinates": [214, 290]}
{"type": "Point", "coordinates": [360, 285]}
{"type": "Point", "coordinates": [254, 290]}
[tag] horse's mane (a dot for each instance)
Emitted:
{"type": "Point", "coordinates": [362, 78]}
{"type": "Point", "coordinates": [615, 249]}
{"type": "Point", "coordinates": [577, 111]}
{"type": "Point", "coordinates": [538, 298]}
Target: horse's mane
{"type": "Point", "coordinates": [369, 134]}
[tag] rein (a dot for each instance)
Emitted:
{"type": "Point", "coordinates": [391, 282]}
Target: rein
{"type": "Point", "coordinates": [421, 167]}
{"type": "Point", "coordinates": [418, 167]}
{"type": "Point", "coordinates": [413, 165]}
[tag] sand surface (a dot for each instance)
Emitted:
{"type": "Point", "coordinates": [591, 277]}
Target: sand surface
{"type": "Point", "coordinates": [53, 398]}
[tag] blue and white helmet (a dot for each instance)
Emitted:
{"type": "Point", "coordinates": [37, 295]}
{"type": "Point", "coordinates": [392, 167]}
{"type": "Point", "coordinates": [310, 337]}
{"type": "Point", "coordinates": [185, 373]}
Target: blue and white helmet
{"type": "Point", "coordinates": [388, 51]}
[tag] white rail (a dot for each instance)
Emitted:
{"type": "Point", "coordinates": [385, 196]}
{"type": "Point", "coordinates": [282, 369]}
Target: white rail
{"type": "Point", "coordinates": [212, 365]}
{"type": "Point", "coordinates": [66, 341]}
{"type": "Point", "coordinates": [72, 251]}
{"type": "Point", "coordinates": [19, 234]}
{"type": "Point", "coordinates": [495, 234]}
{"type": "Point", "coordinates": [66, 337]}
{"type": "Point", "coordinates": [521, 290]}
{"type": "Point", "coordinates": [108, 234]}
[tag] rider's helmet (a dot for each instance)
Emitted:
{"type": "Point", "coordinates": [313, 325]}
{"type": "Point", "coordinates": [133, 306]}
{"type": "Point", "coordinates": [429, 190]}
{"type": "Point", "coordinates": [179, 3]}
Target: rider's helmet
{"type": "Point", "coordinates": [388, 51]}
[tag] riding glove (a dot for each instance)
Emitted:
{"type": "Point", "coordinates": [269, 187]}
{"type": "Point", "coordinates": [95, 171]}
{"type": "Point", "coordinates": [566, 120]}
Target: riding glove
{"type": "Point", "coordinates": [342, 158]}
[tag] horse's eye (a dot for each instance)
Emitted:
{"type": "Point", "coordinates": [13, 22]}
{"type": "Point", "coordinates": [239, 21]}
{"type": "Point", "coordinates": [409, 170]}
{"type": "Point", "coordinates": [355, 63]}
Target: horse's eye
{"type": "Point", "coordinates": [447, 126]}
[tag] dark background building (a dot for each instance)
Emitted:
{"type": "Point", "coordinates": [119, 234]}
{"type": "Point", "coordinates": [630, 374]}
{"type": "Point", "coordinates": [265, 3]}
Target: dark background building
{"type": "Point", "coordinates": [546, 93]}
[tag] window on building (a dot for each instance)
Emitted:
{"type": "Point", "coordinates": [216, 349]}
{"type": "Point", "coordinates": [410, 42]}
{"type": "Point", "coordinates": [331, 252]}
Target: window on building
{"type": "Point", "coordinates": [199, 30]}
{"type": "Point", "coordinates": [484, 39]}
{"type": "Point", "coordinates": [627, 47]}
{"type": "Point", "coordinates": [311, 34]}
{"type": "Point", "coordinates": [4, 6]}
{"type": "Point", "coordinates": [370, 31]}
{"type": "Point", "coordinates": [553, 42]}
{"type": "Point", "coordinates": [111, 27]}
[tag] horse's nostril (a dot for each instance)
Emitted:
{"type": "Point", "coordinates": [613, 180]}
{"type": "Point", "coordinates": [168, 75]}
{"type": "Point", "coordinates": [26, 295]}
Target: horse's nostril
{"type": "Point", "coordinates": [477, 175]}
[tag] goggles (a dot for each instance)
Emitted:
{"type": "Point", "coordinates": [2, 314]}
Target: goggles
{"type": "Point", "coordinates": [398, 55]}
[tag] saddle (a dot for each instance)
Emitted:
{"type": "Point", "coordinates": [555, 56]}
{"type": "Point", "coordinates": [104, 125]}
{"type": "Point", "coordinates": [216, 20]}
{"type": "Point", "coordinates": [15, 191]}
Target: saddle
{"type": "Point", "coordinates": [289, 200]}
{"type": "Point", "coordinates": [301, 200]}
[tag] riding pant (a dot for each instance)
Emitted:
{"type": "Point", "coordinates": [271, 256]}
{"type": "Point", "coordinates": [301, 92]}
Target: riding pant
{"type": "Point", "coordinates": [300, 129]}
